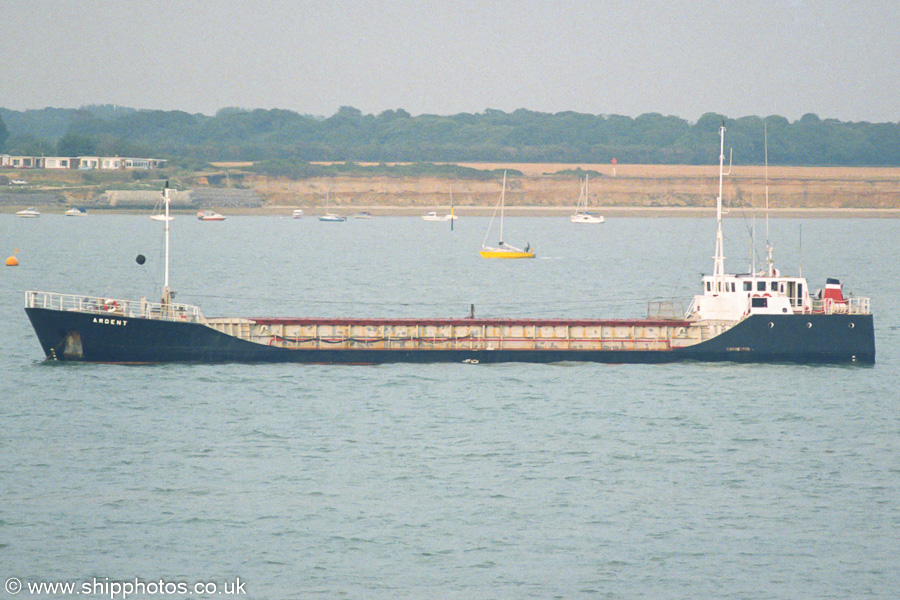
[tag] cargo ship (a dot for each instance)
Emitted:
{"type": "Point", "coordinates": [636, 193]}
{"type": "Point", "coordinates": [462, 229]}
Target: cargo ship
{"type": "Point", "coordinates": [761, 316]}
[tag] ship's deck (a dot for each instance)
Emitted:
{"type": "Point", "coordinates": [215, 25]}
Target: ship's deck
{"type": "Point", "coordinates": [477, 322]}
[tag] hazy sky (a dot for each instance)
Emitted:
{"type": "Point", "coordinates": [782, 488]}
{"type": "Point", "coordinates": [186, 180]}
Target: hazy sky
{"type": "Point", "coordinates": [838, 59]}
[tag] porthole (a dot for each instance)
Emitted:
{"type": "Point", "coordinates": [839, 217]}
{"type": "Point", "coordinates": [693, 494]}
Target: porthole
{"type": "Point", "coordinates": [852, 325]}
{"type": "Point", "coordinates": [771, 324]}
{"type": "Point", "coordinates": [808, 325]}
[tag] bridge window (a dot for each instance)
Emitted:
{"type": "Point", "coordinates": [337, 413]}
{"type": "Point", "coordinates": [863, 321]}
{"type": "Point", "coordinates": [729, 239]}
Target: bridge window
{"type": "Point", "coordinates": [748, 286]}
{"type": "Point", "coordinates": [760, 286]}
{"type": "Point", "coordinates": [774, 286]}
{"type": "Point", "coordinates": [759, 302]}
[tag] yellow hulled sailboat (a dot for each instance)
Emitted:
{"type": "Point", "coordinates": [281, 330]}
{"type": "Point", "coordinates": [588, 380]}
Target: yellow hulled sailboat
{"type": "Point", "coordinates": [502, 249]}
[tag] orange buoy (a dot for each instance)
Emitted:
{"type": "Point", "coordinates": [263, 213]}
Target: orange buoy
{"type": "Point", "coordinates": [12, 261]}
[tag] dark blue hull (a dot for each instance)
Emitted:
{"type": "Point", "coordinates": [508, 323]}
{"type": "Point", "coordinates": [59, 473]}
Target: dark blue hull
{"type": "Point", "coordinates": [806, 339]}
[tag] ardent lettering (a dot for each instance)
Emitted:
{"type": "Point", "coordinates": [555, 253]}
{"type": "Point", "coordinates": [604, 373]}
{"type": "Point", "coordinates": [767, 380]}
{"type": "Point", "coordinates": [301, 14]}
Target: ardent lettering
{"type": "Point", "coordinates": [105, 321]}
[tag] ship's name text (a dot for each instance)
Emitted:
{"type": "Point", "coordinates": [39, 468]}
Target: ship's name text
{"type": "Point", "coordinates": [105, 321]}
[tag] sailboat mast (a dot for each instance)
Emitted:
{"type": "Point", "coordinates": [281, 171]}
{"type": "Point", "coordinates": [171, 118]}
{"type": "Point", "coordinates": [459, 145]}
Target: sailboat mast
{"type": "Point", "coordinates": [502, 202]}
{"type": "Point", "coordinates": [451, 208]}
{"type": "Point", "coordinates": [719, 258]}
{"type": "Point", "coordinates": [587, 191]}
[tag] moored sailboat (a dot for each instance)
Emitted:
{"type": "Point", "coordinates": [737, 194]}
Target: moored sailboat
{"type": "Point", "coordinates": [502, 249]}
{"type": "Point", "coordinates": [581, 208]}
{"type": "Point", "coordinates": [330, 216]}
{"type": "Point", "coordinates": [161, 212]}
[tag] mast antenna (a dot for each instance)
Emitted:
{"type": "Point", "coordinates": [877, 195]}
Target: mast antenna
{"type": "Point", "coordinates": [753, 245]}
{"type": "Point", "coordinates": [770, 264]}
{"type": "Point", "coordinates": [719, 258]}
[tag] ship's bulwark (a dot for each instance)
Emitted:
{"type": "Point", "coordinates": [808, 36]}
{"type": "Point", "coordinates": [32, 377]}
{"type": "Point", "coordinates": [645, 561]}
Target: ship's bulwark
{"type": "Point", "coordinates": [800, 338]}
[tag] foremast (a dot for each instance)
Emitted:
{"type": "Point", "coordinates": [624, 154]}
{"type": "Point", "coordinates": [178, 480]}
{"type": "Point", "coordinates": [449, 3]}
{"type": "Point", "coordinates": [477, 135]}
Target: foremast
{"type": "Point", "coordinates": [166, 291]}
{"type": "Point", "coordinates": [770, 263]}
{"type": "Point", "coordinates": [719, 258]}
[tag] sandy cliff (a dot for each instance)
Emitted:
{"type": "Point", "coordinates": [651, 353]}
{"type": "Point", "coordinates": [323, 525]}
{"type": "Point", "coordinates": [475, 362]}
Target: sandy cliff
{"type": "Point", "coordinates": [630, 186]}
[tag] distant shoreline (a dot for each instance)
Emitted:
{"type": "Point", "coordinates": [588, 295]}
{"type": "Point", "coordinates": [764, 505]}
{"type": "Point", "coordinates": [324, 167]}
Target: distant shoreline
{"type": "Point", "coordinates": [544, 189]}
{"type": "Point", "coordinates": [517, 211]}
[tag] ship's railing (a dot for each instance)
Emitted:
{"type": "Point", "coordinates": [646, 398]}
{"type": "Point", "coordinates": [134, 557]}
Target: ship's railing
{"type": "Point", "coordinates": [665, 309]}
{"type": "Point", "coordinates": [854, 305]}
{"type": "Point", "coordinates": [114, 307]}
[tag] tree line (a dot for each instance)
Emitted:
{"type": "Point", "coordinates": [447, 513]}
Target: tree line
{"type": "Point", "coordinates": [287, 141]}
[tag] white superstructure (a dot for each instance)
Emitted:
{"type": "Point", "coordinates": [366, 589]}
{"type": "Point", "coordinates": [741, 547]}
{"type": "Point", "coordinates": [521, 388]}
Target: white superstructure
{"type": "Point", "coordinates": [730, 298]}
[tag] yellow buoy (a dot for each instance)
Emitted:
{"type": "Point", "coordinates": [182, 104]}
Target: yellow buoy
{"type": "Point", "coordinates": [12, 261]}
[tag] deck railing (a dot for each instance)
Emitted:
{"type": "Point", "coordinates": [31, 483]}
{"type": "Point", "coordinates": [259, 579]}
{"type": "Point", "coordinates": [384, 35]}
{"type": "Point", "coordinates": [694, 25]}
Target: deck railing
{"type": "Point", "coordinates": [854, 305]}
{"type": "Point", "coordinates": [665, 309]}
{"type": "Point", "coordinates": [113, 307]}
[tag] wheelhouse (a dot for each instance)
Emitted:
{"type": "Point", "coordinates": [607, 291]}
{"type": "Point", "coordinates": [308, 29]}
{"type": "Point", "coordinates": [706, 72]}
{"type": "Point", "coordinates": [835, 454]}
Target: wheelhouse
{"type": "Point", "coordinates": [732, 297]}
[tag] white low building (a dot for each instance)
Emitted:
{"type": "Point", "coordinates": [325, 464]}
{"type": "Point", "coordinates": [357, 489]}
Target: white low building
{"type": "Point", "coordinates": [57, 162]}
{"type": "Point", "coordinates": [80, 162]}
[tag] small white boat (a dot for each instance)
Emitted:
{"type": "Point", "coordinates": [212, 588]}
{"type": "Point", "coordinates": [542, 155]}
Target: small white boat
{"type": "Point", "coordinates": [433, 216]}
{"type": "Point", "coordinates": [587, 217]}
{"type": "Point", "coordinates": [76, 211]}
{"type": "Point", "coordinates": [161, 217]}
{"type": "Point", "coordinates": [28, 213]}
{"type": "Point", "coordinates": [209, 215]}
{"type": "Point", "coordinates": [297, 214]}
{"type": "Point", "coordinates": [581, 212]}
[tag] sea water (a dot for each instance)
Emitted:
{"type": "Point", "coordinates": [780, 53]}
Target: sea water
{"type": "Point", "coordinates": [445, 481]}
